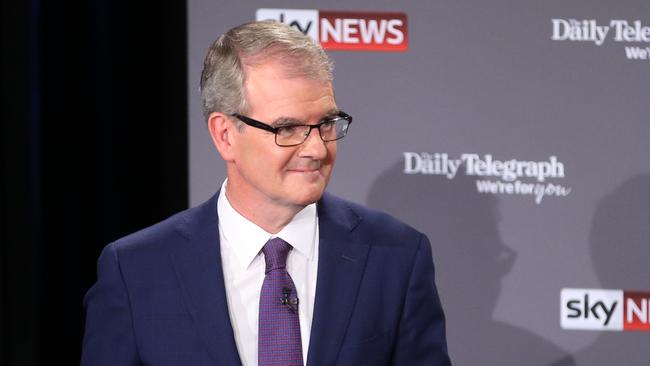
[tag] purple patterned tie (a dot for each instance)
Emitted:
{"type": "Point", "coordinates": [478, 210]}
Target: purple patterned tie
{"type": "Point", "coordinates": [279, 329]}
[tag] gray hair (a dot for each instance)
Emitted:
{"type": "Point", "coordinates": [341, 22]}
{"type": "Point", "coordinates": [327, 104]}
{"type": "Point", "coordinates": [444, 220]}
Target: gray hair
{"type": "Point", "coordinates": [223, 76]}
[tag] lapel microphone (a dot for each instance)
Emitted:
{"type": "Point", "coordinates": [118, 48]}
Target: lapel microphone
{"type": "Point", "coordinates": [292, 304]}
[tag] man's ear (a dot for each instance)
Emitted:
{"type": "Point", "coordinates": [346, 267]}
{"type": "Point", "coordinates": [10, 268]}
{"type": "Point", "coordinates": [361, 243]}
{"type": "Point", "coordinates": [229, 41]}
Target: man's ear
{"type": "Point", "coordinates": [222, 131]}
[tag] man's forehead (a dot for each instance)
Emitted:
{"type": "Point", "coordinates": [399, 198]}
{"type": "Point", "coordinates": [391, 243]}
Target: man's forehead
{"type": "Point", "coordinates": [287, 119]}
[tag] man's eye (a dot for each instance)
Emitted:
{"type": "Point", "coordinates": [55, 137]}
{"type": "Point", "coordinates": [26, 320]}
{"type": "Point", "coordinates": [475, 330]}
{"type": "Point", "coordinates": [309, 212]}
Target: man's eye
{"type": "Point", "coordinates": [327, 125]}
{"type": "Point", "coordinates": [287, 130]}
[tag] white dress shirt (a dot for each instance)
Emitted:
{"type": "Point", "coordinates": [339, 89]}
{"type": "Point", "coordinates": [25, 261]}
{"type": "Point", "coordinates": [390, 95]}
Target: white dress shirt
{"type": "Point", "coordinates": [243, 271]}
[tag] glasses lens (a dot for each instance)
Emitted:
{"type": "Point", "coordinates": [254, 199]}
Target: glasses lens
{"type": "Point", "coordinates": [330, 130]}
{"type": "Point", "coordinates": [291, 135]}
{"type": "Point", "coordinates": [334, 129]}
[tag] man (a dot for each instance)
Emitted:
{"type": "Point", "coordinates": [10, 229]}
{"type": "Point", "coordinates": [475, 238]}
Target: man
{"type": "Point", "coordinates": [271, 270]}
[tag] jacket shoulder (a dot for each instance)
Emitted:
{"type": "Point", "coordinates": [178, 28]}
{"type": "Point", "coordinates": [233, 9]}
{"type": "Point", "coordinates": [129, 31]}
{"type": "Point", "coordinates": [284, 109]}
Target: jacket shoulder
{"type": "Point", "coordinates": [170, 231]}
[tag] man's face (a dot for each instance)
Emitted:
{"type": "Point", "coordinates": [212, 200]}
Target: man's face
{"type": "Point", "coordinates": [283, 176]}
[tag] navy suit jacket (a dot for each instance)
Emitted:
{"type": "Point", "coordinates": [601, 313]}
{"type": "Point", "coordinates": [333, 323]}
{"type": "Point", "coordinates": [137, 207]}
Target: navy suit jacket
{"type": "Point", "coordinates": [160, 298]}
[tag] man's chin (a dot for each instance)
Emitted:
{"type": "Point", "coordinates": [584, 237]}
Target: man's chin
{"type": "Point", "coordinates": [304, 190]}
{"type": "Point", "coordinates": [310, 196]}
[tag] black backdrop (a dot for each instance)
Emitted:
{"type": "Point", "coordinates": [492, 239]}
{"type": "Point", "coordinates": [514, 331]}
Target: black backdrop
{"type": "Point", "coordinates": [94, 146]}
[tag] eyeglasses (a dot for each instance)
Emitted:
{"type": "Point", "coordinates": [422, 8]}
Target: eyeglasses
{"type": "Point", "coordinates": [330, 129]}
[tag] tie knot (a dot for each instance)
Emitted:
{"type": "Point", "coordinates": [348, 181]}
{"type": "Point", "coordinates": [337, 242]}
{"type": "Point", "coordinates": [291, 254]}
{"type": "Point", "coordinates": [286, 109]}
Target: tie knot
{"type": "Point", "coordinates": [275, 252]}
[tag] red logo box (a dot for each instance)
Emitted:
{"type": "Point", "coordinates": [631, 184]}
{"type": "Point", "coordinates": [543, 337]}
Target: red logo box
{"type": "Point", "coordinates": [363, 31]}
{"type": "Point", "coordinates": [636, 311]}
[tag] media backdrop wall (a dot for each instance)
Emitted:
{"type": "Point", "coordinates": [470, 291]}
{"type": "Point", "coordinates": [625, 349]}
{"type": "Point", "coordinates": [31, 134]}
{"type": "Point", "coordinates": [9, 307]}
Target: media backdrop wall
{"type": "Point", "coordinates": [515, 134]}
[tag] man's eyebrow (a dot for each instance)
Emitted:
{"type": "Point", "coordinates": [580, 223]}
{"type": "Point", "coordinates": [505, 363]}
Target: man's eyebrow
{"type": "Point", "coordinates": [289, 121]}
{"type": "Point", "coordinates": [332, 112]}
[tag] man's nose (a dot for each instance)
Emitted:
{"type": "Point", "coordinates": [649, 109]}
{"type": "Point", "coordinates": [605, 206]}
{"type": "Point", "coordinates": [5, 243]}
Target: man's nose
{"type": "Point", "coordinates": [314, 146]}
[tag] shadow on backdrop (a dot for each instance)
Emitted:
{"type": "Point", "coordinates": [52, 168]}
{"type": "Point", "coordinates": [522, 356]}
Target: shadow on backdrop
{"type": "Point", "coordinates": [620, 252]}
{"type": "Point", "coordinates": [470, 260]}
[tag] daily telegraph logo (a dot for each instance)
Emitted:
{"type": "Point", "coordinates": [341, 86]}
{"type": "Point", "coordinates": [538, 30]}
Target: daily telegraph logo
{"type": "Point", "coordinates": [619, 30]}
{"type": "Point", "coordinates": [594, 309]}
{"type": "Point", "coordinates": [346, 30]}
{"type": "Point", "coordinates": [513, 177]}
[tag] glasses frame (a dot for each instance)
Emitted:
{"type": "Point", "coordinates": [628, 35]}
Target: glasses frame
{"type": "Point", "coordinates": [266, 127]}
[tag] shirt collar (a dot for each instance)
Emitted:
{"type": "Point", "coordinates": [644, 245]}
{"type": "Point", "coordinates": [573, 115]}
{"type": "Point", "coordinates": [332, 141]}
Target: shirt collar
{"type": "Point", "coordinates": [246, 239]}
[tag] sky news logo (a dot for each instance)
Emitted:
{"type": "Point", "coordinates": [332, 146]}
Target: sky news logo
{"type": "Point", "coordinates": [346, 30]}
{"type": "Point", "coordinates": [614, 310]}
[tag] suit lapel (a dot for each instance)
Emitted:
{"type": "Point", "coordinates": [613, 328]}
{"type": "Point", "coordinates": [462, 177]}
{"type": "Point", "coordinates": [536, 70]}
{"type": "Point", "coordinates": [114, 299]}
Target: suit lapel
{"type": "Point", "coordinates": [198, 268]}
{"type": "Point", "coordinates": [342, 260]}
{"type": "Point", "coordinates": [341, 265]}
